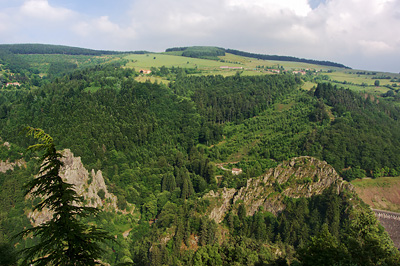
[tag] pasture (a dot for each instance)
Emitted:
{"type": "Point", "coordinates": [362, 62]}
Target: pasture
{"type": "Point", "coordinates": [145, 61]}
{"type": "Point", "coordinates": [42, 62]}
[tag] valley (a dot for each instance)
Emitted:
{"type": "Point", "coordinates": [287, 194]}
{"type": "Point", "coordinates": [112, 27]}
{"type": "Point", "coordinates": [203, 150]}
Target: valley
{"type": "Point", "coordinates": [199, 156]}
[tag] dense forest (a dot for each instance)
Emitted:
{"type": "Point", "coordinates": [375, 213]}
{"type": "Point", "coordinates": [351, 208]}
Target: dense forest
{"type": "Point", "coordinates": [205, 52]}
{"type": "Point", "coordinates": [158, 145]}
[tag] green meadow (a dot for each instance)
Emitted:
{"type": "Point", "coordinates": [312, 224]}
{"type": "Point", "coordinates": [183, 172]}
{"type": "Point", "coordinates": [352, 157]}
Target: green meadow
{"type": "Point", "coordinates": [42, 62]}
{"type": "Point", "coordinates": [378, 182]}
{"type": "Point", "coordinates": [145, 61]}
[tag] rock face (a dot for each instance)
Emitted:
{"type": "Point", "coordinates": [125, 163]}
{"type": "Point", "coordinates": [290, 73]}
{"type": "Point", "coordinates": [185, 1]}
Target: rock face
{"type": "Point", "coordinates": [298, 177]}
{"type": "Point", "coordinates": [7, 165]}
{"type": "Point", "coordinates": [86, 184]}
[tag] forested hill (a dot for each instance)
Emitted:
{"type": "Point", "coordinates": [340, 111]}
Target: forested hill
{"type": "Point", "coordinates": [285, 58]}
{"type": "Point", "coordinates": [161, 147]}
{"type": "Point", "coordinates": [209, 52]}
{"type": "Point", "coordinates": [54, 49]}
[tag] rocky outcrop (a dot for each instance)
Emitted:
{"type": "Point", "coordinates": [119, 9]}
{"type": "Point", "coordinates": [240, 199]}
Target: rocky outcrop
{"type": "Point", "coordinates": [298, 177]}
{"type": "Point", "coordinates": [7, 165]}
{"type": "Point", "coordinates": [87, 184]}
{"type": "Point", "coordinates": [225, 197]}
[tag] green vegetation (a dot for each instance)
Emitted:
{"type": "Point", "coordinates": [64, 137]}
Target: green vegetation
{"type": "Point", "coordinates": [204, 52]}
{"type": "Point", "coordinates": [377, 182]}
{"type": "Point", "coordinates": [157, 145]}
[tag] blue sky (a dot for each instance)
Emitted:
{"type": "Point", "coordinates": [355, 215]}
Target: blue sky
{"type": "Point", "coordinates": [362, 34]}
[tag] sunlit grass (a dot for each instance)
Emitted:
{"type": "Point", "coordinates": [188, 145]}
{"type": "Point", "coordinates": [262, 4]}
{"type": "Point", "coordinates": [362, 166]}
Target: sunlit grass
{"type": "Point", "coordinates": [377, 182]}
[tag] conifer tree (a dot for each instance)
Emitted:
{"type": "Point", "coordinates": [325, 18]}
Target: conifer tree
{"type": "Point", "coordinates": [64, 240]}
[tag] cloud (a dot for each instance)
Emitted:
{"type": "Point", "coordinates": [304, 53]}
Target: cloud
{"type": "Point", "coordinates": [101, 33]}
{"type": "Point", "coordinates": [40, 9]}
{"type": "Point", "coordinates": [272, 7]}
{"type": "Point", "coordinates": [363, 29]}
{"type": "Point", "coordinates": [375, 47]}
{"type": "Point", "coordinates": [223, 22]}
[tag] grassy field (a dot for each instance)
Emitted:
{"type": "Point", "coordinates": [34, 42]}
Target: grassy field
{"type": "Point", "coordinates": [381, 193]}
{"type": "Point", "coordinates": [253, 63]}
{"type": "Point", "coordinates": [146, 78]}
{"type": "Point", "coordinates": [145, 61]}
{"type": "Point", "coordinates": [367, 89]}
{"type": "Point", "coordinates": [308, 85]}
{"type": "Point", "coordinates": [213, 67]}
{"type": "Point", "coordinates": [355, 78]}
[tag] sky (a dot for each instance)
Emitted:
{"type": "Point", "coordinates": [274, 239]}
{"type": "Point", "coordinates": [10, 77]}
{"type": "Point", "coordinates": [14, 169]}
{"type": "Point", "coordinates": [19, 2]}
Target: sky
{"type": "Point", "coordinates": [361, 34]}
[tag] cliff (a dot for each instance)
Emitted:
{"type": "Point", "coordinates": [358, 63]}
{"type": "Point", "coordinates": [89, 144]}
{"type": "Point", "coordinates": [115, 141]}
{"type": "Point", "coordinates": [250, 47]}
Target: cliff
{"type": "Point", "coordinates": [87, 184]}
{"type": "Point", "coordinates": [298, 177]}
{"type": "Point", "coordinates": [7, 165]}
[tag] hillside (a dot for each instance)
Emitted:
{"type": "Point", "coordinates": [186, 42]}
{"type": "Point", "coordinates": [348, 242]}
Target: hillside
{"type": "Point", "coordinates": [211, 166]}
{"type": "Point", "coordinates": [214, 52]}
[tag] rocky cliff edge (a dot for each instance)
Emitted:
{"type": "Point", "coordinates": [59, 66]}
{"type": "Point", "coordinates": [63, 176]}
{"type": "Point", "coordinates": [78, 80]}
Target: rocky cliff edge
{"type": "Point", "coordinates": [299, 177]}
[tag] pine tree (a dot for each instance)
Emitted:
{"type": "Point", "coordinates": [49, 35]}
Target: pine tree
{"type": "Point", "coordinates": [64, 240]}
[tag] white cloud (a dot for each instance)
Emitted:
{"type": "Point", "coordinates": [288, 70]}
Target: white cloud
{"type": "Point", "coordinates": [41, 9]}
{"type": "Point", "coordinates": [375, 47]}
{"type": "Point", "coordinates": [355, 28]}
{"type": "Point", "coordinates": [101, 33]}
{"type": "Point", "coordinates": [298, 7]}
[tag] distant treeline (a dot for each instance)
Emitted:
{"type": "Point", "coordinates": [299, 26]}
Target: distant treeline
{"type": "Point", "coordinates": [212, 52]}
{"type": "Point", "coordinates": [205, 52]}
{"type": "Point", "coordinates": [285, 58]}
{"type": "Point", "coordinates": [56, 49]}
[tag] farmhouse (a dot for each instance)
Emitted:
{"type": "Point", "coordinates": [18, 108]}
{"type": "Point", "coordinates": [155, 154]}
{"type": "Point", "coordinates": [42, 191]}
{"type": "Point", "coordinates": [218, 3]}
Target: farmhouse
{"type": "Point", "coordinates": [236, 171]}
{"type": "Point", "coordinates": [13, 84]}
{"type": "Point", "coordinates": [229, 67]}
{"type": "Point", "coordinates": [145, 71]}
{"type": "Point", "coordinates": [301, 72]}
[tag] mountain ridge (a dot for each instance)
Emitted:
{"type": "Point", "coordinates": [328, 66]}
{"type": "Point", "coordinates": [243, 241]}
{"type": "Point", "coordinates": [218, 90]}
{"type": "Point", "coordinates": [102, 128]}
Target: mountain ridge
{"type": "Point", "coordinates": [191, 51]}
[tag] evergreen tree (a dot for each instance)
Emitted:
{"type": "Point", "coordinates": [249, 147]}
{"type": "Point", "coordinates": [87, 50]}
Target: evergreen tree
{"type": "Point", "coordinates": [8, 255]}
{"type": "Point", "coordinates": [324, 249]}
{"type": "Point", "coordinates": [64, 240]}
